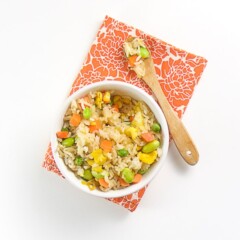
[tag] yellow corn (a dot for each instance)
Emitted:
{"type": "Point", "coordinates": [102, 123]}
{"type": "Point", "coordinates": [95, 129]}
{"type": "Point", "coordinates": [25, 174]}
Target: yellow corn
{"type": "Point", "coordinates": [98, 100]}
{"type": "Point", "coordinates": [148, 158]}
{"type": "Point", "coordinates": [98, 156]}
{"type": "Point", "coordinates": [97, 169]}
{"type": "Point", "coordinates": [90, 185]}
{"type": "Point", "coordinates": [107, 97]}
{"type": "Point", "coordinates": [93, 123]}
{"type": "Point", "coordinates": [131, 132]}
{"type": "Point", "coordinates": [90, 162]}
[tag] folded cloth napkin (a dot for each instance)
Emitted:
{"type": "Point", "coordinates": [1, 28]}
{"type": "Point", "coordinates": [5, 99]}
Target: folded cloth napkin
{"type": "Point", "coordinates": [178, 73]}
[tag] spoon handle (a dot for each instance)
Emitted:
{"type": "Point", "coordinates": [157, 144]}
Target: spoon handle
{"type": "Point", "coordinates": [179, 133]}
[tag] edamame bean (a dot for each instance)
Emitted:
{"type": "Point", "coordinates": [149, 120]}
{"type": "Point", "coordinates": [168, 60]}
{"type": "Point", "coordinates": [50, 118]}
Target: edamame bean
{"type": "Point", "coordinates": [68, 142]}
{"type": "Point", "coordinates": [97, 175]}
{"type": "Point", "coordinates": [87, 113]}
{"type": "Point", "coordinates": [150, 147]}
{"type": "Point", "coordinates": [78, 161]}
{"type": "Point", "coordinates": [127, 175]}
{"type": "Point", "coordinates": [144, 52]}
{"type": "Point", "coordinates": [156, 127]}
{"type": "Point", "coordinates": [122, 152]}
{"type": "Point", "coordinates": [87, 175]}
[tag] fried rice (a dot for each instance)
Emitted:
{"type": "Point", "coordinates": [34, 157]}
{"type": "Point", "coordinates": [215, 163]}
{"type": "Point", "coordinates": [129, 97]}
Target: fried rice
{"type": "Point", "coordinates": [109, 141]}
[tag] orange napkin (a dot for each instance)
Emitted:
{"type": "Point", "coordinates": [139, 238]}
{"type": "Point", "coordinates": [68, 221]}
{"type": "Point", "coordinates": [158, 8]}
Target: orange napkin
{"type": "Point", "coordinates": [178, 73]}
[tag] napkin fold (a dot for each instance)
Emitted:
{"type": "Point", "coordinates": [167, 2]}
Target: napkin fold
{"type": "Point", "coordinates": [178, 72]}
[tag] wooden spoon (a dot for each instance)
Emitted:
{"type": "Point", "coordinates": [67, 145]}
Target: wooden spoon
{"type": "Point", "coordinates": [179, 133]}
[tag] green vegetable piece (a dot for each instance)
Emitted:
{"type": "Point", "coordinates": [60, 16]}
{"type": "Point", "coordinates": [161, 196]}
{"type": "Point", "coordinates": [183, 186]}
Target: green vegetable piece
{"type": "Point", "coordinates": [64, 129]}
{"type": "Point", "coordinates": [144, 53]}
{"type": "Point", "coordinates": [122, 152]}
{"type": "Point", "coordinates": [87, 175]}
{"type": "Point", "coordinates": [142, 171]}
{"type": "Point", "coordinates": [87, 113]}
{"type": "Point", "coordinates": [127, 175]}
{"type": "Point", "coordinates": [68, 142]}
{"type": "Point", "coordinates": [156, 127]}
{"type": "Point", "coordinates": [78, 161]}
{"type": "Point", "coordinates": [97, 175]}
{"type": "Point", "coordinates": [150, 147]}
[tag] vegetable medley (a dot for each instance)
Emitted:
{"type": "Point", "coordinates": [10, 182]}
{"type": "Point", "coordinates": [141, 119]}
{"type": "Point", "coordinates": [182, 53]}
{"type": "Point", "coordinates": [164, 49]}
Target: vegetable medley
{"type": "Point", "coordinates": [109, 141]}
{"type": "Point", "coordinates": [136, 52]}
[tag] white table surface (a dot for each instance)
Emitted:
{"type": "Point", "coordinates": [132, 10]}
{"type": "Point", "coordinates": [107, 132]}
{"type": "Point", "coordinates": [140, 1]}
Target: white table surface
{"type": "Point", "coordinates": [42, 46]}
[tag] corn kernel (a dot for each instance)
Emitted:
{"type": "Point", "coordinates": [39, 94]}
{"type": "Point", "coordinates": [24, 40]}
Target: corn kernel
{"type": "Point", "coordinates": [98, 100]}
{"type": "Point", "coordinates": [107, 97]}
{"type": "Point", "coordinates": [97, 169]}
{"type": "Point", "coordinates": [98, 156]}
{"type": "Point", "coordinates": [131, 132]}
{"type": "Point", "coordinates": [90, 162]}
{"type": "Point", "coordinates": [90, 185]}
{"type": "Point", "coordinates": [93, 123]}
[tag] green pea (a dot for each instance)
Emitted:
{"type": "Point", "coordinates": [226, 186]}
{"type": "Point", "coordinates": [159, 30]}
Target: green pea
{"type": "Point", "coordinates": [127, 175]}
{"type": "Point", "coordinates": [68, 142]}
{"type": "Point", "coordinates": [156, 127]}
{"type": "Point", "coordinates": [150, 147]}
{"type": "Point", "coordinates": [122, 152]}
{"type": "Point", "coordinates": [87, 113]}
{"type": "Point", "coordinates": [87, 175]}
{"type": "Point", "coordinates": [78, 161]}
{"type": "Point", "coordinates": [144, 52]}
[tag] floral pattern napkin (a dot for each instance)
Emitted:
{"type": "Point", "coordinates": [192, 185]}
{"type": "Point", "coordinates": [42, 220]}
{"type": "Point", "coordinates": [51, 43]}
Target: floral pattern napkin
{"type": "Point", "coordinates": [178, 73]}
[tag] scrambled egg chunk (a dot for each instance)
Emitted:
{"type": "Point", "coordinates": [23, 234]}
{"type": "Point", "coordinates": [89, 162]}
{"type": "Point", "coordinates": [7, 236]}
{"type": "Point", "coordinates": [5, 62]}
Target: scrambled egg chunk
{"type": "Point", "coordinates": [148, 158]}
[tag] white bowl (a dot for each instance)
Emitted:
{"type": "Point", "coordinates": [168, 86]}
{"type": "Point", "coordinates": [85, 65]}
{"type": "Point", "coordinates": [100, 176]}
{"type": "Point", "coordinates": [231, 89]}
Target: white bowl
{"type": "Point", "coordinates": [125, 89]}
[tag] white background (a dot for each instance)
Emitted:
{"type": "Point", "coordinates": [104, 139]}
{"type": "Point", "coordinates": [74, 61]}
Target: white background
{"type": "Point", "coordinates": [42, 46]}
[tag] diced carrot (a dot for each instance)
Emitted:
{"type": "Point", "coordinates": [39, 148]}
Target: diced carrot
{"type": "Point", "coordinates": [131, 118]}
{"type": "Point", "coordinates": [75, 120]}
{"type": "Point", "coordinates": [148, 137]}
{"type": "Point", "coordinates": [103, 183]}
{"type": "Point", "coordinates": [123, 183]}
{"type": "Point", "coordinates": [106, 145]}
{"type": "Point", "coordinates": [94, 126]}
{"type": "Point", "coordinates": [62, 134]}
{"type": "Point", "coordinates": [115, 108]}
{"type": "Point", "coordinates": [137, 178]}
{"type": "Point", "coordinates": [132, 60]}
